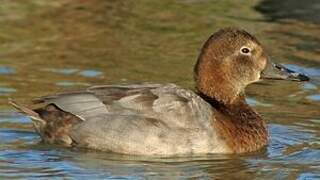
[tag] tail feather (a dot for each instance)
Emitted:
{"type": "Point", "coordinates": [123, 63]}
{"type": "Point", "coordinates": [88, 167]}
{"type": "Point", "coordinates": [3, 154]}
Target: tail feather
{"type": "Point", "coordinates": [31, 113]}
{"type": "Point", "coordinates": [52, 123]}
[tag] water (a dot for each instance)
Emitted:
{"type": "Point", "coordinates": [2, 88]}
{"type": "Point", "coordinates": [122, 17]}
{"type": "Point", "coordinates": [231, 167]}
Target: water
{"type": "Point", "coordinates": [48, 46]}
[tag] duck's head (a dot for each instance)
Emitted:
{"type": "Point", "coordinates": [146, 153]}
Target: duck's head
{"type": "Point", "coordinates": [230, 60]}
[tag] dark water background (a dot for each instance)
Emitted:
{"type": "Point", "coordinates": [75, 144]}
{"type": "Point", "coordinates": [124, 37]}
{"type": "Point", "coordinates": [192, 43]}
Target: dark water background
{"type": "Point", "coordinates": [49, 46]}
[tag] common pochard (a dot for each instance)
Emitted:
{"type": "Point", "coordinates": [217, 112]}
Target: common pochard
{"type": "Point", "coordinates": [166, 119]}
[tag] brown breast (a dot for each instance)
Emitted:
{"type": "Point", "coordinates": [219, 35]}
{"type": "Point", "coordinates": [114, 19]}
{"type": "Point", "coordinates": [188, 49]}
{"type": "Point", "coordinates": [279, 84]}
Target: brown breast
{"type": "Point", "coordinates": [241, 127]}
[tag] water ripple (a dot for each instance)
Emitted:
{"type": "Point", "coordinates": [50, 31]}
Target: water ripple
{"type": "Point", "coordinates": [6, 70]}
{"type": "Point", "coordinates": [73, 71]}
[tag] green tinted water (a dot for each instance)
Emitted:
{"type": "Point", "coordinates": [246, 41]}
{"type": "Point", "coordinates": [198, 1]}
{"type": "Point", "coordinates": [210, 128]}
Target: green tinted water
{"type": "Point", "coordinates": [48, 46]}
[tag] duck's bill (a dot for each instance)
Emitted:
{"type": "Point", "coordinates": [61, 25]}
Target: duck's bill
{"type": "Point", "coordinates": [279, 72]}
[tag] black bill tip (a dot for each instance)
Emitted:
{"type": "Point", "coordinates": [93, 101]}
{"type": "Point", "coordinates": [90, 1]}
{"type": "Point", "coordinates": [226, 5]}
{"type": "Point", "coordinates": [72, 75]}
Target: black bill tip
{"type": "Point", "coordinates": [280, 72]}
{"type": "Point", "coordinates": [299, 77]}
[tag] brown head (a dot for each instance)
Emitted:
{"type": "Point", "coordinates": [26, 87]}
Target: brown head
{"type": "Point", "coordinates": [230, 60]}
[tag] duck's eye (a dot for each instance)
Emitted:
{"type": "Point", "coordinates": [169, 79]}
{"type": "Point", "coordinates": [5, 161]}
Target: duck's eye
{"type": "Point", "coordinates": [245, 50]}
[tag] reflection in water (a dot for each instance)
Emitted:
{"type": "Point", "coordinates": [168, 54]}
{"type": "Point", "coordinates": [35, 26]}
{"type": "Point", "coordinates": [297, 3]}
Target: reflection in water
{"type": "Point", "coordinates": [50, 46]}
{"type": "Point", "coordinates": [291, 9]}
{"type": "Point", "coordinates": [90, 73]}
{"type": "Point", "coordinates": [309, 86]}
{"type": "Point", "coordinates": [64, 71]}
{"type": "Point", "coordinates": [6, 70]}
{"type": "Point", "coordinates": [5, 90]}
{"type": "Point", "coordinates": [254, 102]}
{"type": "Point", "coordinates": [315, 97]}
{"type": "Point", "coordinates": [85, 73]}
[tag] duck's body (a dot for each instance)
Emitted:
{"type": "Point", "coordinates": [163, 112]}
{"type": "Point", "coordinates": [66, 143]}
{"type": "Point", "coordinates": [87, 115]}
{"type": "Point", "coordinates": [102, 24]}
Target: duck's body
{"type": "Point", "coordinates": [166, 120]}
{"type": "Point", "coordinates": [149, 119]}
{"type": "Point", "coordinates": [145, 119]}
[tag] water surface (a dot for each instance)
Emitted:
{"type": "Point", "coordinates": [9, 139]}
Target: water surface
{"type": "Point", "coordinates": [48, 46]}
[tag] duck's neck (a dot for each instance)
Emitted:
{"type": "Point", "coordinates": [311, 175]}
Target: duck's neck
{"type": "Point", "coordinates": [238, 124]}
{"type": "Point", "coordinates": [225, 88]}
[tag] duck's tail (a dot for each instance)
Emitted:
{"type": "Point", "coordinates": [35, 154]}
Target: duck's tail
{"type": "Point", "coordinates": [52, 124]}
{"type": "Point", "coordinates": [35, 117]}
{"type": "Point", "coordinates": [32, 114]}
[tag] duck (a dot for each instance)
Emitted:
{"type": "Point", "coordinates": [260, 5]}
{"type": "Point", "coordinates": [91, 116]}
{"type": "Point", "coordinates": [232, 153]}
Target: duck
{"type": "Point", "coordinates": [165, 119]}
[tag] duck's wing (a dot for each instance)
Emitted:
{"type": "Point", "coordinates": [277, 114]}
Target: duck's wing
{"type": "Point", "coordinates": [167, 101]}
{"type": "Point", "coordinates": [136, 119]}
{"type": "Point", "coordinates": [107, 99]}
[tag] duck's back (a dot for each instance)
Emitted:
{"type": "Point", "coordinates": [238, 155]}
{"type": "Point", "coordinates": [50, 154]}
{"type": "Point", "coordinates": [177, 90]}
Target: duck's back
{"type": "Point", "coordinates": [146, 119]}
